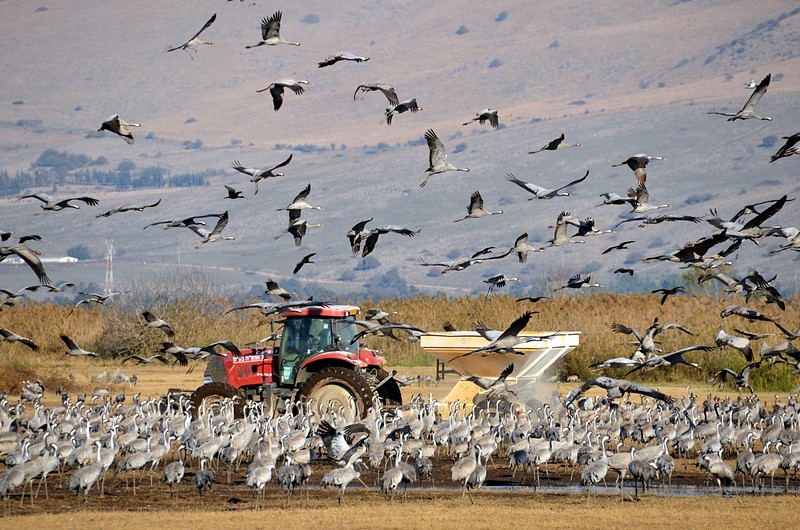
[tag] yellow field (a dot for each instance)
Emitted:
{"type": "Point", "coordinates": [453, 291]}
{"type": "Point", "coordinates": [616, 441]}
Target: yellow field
{"type": "Point", "coordinates": [448, 510]}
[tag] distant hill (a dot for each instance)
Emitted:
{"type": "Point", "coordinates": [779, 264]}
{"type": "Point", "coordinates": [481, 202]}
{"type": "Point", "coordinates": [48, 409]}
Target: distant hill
{"type": "Point", "coordinates": [619, 79]}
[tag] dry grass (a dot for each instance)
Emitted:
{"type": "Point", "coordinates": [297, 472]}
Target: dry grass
{"type": "Point", "coordinates": [592, 316]}
{"type": "Point", "coordinates": [440, 509]}
{"type": "Point", "coordinates": [200, 318]}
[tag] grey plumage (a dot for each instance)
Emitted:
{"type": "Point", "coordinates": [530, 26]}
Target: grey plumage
{"type": "Point", "coordinates": [203, 478]}
{"type": "Point", "coordinates": [342, 56]}
{"type": "Point", "coordinates": [747, 112]}
{"type": "Point", "coordinates": [437, 157]}
{"type": "Point", "coordinates": [173, 474]}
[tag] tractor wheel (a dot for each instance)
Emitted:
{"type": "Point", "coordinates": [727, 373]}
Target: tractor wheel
{"type": "Point", "coordinates": [212, 395]}
{"type": "Point", "coordinates": [338, 388]}
{"type": "Point", "coordinates": [390, 391]}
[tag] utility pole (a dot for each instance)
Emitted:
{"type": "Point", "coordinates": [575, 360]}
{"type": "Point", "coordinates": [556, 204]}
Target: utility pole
{"type": "Point", "coordinates": [108, 288]}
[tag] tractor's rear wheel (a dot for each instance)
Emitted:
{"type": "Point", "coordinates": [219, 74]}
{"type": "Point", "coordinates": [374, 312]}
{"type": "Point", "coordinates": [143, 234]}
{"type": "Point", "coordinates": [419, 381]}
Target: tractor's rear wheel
{"type": "Point", "coordinates": [211, 396]}
{"type": "Point", "coordinates": [338, 389]}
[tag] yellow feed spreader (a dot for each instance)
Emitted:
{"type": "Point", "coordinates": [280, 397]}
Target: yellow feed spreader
{"type": "Point", "coordinates": [534, 358]}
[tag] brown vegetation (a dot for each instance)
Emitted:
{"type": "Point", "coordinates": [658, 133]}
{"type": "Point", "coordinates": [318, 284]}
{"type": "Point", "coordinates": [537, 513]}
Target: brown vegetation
{"type": "Point", "coordinates": [118, 330]}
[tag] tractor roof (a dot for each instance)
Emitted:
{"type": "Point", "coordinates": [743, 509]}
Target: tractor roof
{"type": "Point", "coordinates": [334, 311]}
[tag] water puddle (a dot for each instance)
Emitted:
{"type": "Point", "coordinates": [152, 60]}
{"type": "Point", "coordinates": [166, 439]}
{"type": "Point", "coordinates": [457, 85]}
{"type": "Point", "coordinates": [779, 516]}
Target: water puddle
{"type": "Point", "coordinates": [676, 490]}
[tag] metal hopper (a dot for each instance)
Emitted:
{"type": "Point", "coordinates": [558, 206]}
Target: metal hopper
{"type": "Point", "coordinates": [529, 365]}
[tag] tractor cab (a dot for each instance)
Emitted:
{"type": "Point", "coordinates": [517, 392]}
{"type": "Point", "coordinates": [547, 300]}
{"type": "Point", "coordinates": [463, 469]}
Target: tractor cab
{"type": "Point", "coordinates": [314, 331]}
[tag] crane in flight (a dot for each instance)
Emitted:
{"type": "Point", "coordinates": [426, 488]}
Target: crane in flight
{"type": "Point", "coordinates": [638, 164]}
{"type": "Point", "coordinates": [386, 90]}
{"type": "Point", "coordinates": [489, 115]}
{"type": "Point", "coordinates": [554, 145]}
{"type": "Point", "coordinates": [342, 56]}
{"type": "Point", "coordinates": [544, 193]}
{"type": "Point", "coordinates": [271, 32]}
{"type": "Point", "coordinates": [788, 149]}
{"type": "Point", "coordinates": [617, 388]}
{"type": "Point", "coordinates": [259, 174]}
{"type": "Point", "coordinates": [120, 127]}
{"type": "Point", "coordinates": [437, 157]}
{"type": "Point", "coordinates": [53, 205]}
{"type": "Point", "coordinates": [748, 112]}
{"type": "Point", "coordinates": [399, 108]}
{"type": "Point", "coordinates": [29, 256]}
{"type": "Point", "coordinates": [276, 90]}
{"type": "Point", "coordinates": [195, 40]}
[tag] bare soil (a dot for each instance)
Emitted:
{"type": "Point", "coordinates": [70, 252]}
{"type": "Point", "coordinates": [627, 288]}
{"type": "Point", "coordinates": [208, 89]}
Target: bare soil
{"type": "Point", "coordinates": [421, 506]}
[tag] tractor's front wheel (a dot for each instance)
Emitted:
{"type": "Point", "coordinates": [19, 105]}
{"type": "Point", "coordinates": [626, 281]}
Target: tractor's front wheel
{"type": "Point", "coordinates": [338, 389]}
{"type": "Point", "coordinates": [211, 396]}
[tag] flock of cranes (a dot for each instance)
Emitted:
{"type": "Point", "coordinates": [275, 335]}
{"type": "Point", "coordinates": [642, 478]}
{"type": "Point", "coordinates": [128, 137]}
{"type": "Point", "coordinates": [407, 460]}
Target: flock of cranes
{"type": "Point", "coordinates": [85, 440]}
{"type": "Point", "coordinates": [283, 451]}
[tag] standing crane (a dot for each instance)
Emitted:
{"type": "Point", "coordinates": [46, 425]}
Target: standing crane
{"type": "Point", "coordinates": [86, 477]}
{"type": "Point", "coordinates": [596, 472]}
{"type": "Point", "coordinates": [462, 470]}
{"type": "Point", "coordinates": [341, 477]}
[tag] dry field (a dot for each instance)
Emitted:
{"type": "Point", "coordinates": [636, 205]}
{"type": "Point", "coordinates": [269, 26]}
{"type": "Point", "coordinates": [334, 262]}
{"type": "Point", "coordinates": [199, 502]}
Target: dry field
{"type": "Point", "coordinates": [427, 509]}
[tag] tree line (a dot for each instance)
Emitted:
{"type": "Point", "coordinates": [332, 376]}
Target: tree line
{"type": "Point", "coordinates": [54, 168]}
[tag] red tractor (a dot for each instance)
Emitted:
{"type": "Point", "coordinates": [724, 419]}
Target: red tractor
{"type": "Point", "coordinates": [317, 359]}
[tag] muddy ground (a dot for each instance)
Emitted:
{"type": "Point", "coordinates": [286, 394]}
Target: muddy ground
{"type": "Point", "coordinates": [237, 496]}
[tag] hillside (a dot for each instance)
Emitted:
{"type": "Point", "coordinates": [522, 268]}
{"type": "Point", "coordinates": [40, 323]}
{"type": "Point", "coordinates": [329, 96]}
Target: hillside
{"type": "Point", "coordinates": [616, 86]}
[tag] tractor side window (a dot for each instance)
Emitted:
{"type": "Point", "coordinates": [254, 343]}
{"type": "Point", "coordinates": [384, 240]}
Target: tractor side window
{"type": "Point", "coordinates": [345, 331]}
{"type": "Point", "coordinates": [295, 335]}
